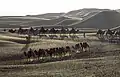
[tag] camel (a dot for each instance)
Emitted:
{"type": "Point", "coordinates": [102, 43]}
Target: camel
{"type": "Point", "coordinates": [100, 33]}
{"type": "Point", "coordinates": [84, 46]}
{"type": "Point", "coordinates": [53, 36]}
{"type": "Point", "coordinates": [109, 33]}
{"type": "Point", "coordinates": [117, 33]}
{"type": "Point", "coordinates": [29, 54]}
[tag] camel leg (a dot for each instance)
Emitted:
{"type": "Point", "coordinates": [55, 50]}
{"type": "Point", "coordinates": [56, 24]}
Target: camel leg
{"type": "Point", "coordinates": [89, 49]}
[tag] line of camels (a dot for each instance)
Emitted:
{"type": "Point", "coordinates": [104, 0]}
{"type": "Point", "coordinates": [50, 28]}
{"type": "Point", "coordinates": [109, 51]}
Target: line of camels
{"type": "Point", "coordinates": [112, 36]}
{"type": "Point", "coordinates": [48, 33]}
{"type": "Point", "coordinates": [109, 35]}
{"type": "Point", "coordinates": [43, 30]}
{"type": "Point", "coordinates": [57, 51]}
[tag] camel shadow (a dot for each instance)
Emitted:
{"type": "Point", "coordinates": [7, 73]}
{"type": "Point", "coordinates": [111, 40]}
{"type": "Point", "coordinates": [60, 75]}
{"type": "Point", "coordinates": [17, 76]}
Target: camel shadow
{"type": "Point", "coordinates": [25, 48]}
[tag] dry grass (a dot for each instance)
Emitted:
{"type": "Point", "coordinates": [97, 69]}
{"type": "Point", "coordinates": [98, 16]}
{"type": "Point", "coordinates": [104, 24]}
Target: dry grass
{"type": "Point", "coordinates": [94, 67]}
{"type": "Point", "coordinates": [104, 61]}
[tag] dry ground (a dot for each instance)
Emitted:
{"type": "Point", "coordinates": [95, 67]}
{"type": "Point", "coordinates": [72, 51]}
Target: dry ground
{"type": "Point", "coordinates": [102, 61]}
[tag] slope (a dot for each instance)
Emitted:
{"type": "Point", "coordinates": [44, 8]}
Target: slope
{"type": "Point", "coordinates": [15, 21]}
{"type": "Point", "coordinates": [105, 19]}
{"type": "Point", "coordinates": [84, 13]}
{"type": "Point", "coordinates": [48, 15]}
{"type": "Point", "coordinates": [45, 22]}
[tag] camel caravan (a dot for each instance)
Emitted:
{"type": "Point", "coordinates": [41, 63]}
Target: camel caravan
{"type": "Point", "coordinates": [52, 33]}
{"type": "Point", "coordinates": [112, 36]}
{"type": "Point", "coordinates": [56, 52]}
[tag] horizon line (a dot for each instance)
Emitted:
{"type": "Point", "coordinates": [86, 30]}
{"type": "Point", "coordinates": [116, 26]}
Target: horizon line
{"type": "Point", "coordinates": [52, 12]}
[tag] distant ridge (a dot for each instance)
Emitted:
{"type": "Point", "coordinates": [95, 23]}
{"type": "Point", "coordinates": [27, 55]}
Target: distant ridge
{"type": "Point", "coordinates": [105, 19]}
{"type": "Point", "coordinates": [48, 15]}
{"type": "Point", "coordinates": [82, 18]}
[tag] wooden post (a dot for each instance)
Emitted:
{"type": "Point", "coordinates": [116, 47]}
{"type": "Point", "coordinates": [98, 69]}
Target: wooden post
{"type": "Point", "coordinates": [84, 34]}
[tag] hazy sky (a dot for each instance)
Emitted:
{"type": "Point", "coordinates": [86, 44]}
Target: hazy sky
{"type": "Point", "coordinates": [32, 7]}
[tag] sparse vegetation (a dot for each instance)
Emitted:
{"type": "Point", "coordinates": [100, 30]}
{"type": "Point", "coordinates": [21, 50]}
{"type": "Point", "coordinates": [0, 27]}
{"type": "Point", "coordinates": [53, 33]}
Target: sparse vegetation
{"type": "Point", "coordinates": [102, 62]}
